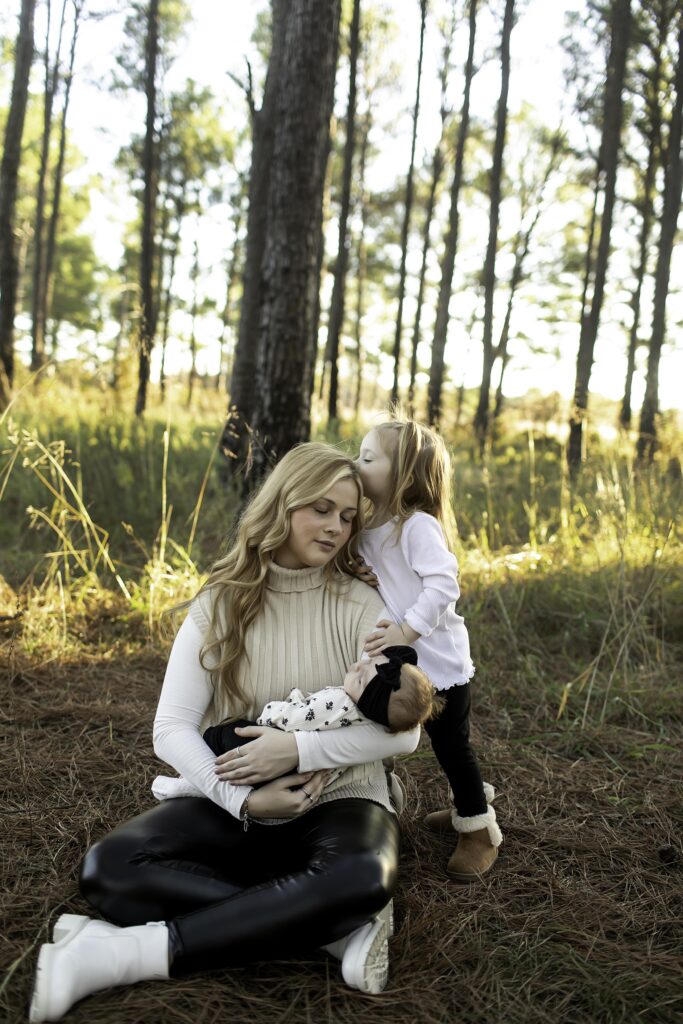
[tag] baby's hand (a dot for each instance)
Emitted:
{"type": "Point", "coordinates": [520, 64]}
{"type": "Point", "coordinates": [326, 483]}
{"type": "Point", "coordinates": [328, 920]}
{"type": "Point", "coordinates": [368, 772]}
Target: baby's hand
{"type": "Point", "coordinates": [387, 634]}
{"type": "Point", "coordinates": [364, 572]}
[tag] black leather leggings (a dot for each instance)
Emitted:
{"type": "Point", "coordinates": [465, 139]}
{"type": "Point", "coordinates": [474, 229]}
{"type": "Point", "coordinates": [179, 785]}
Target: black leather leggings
{"type": "Point", "coordinates": [230, 896]}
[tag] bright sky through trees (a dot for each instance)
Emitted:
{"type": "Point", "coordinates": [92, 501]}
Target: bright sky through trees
{"type": "Point", "coordinates": [218, 41]}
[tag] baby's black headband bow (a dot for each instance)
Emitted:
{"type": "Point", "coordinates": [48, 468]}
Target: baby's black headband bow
{"type": "Point", "coordinates": [374, 700]}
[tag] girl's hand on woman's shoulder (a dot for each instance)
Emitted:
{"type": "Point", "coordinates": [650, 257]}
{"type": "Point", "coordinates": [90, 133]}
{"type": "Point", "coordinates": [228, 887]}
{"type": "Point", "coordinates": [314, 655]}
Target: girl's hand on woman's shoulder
{"type": "Point", "coordinates": [364, 572]}
{"type": "Point", "coordinates": [287, 797]}
{"type": "Point", "coordinates": [265, 755]}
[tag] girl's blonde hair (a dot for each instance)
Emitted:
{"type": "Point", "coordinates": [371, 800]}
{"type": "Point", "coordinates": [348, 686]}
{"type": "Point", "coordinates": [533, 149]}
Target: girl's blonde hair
{"type": "Point", "coordinates": [421, 476]}
{"type": "Point", "coordinates": [237, 582]}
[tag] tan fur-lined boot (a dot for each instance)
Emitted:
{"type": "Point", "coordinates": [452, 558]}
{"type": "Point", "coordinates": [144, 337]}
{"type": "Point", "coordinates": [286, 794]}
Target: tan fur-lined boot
{"type": "Point", "coordinates": [442, 821]}
{"type": "Point", "coordinates": [478, 840]}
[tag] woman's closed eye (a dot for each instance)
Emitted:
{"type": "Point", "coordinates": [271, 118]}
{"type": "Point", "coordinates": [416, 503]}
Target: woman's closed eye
{"type": "Point", "coordinates": [327, 511]}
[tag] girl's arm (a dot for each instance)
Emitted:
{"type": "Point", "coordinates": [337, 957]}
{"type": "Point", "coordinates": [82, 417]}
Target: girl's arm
{"type": "Point", "coordinates": [186, 694]}
{"type": "Point", "coordinates": [425, 550]}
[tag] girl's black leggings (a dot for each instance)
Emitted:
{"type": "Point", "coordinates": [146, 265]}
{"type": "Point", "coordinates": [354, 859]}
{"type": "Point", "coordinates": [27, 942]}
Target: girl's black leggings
{"type": "Point", "coordinates": [450, 736]}
{"type": "Point", "coordinates": [230, 896]}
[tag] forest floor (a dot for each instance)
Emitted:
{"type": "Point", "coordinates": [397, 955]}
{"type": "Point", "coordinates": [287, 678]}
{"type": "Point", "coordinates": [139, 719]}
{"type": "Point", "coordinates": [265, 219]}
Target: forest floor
{"type": "Point", "coordinates": [579, 921]}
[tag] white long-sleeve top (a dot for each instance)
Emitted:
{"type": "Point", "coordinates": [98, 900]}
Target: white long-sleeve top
{"type": "Point", "coordinates": [418, 582]}
{"type": "Point", "coordinates": [307, 633]}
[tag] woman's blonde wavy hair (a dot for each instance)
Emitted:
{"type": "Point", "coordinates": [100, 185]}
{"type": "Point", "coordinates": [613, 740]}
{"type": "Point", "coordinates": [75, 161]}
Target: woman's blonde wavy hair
{"type": "Point", "coordinates": [421, 475]}
{"type": "Point", "coordinates": [237, 581]}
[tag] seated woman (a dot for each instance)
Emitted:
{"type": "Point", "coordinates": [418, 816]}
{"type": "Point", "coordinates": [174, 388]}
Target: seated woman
{"type": "Point", "coordinates": [197, 883]}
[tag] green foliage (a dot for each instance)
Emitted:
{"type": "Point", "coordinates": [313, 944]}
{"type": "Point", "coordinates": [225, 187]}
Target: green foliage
{"type": "Point", "coordinates": [572, 590]}
{"type": "Point", "coordinates": [119, 467]}
{"type": "Point", "coordinates": [77, 295]}
{"type": "Point", "coordinates": [174, 16]}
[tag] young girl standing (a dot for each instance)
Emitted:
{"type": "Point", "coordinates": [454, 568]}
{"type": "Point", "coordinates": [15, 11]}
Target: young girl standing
{"type": "Point", "coordinates": [405, 469]}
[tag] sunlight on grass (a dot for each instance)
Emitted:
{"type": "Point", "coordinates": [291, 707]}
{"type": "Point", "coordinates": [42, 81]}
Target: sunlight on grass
{"type": "Point", "coordinates": [572, 589]}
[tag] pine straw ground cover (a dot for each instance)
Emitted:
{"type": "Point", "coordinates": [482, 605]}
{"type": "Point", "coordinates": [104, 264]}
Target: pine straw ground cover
{"type": "Point", "coordinates": [580, 921]}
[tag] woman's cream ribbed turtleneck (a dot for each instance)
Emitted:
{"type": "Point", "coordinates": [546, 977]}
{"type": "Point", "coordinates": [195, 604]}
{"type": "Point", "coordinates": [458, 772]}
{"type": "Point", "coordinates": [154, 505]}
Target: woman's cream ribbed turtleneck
{"type": "Point", "coordinates": [306, 635]}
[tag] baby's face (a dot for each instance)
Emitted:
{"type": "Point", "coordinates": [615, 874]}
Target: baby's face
{"type": "Point", "coordinates": [360, 674]}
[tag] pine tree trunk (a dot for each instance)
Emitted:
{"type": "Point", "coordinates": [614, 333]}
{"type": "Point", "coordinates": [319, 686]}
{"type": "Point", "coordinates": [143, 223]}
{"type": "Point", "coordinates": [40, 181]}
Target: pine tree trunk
{"type": "Point", "coordinates": [405, 230]}
{"type": "Point", "coordinates": [166, 315]}
{"type": "Point", "coordinates": [451, 241]}
{"type": "Point", "coordinates": [671, 203]}
{"type": "Point", "coordinates": [336, 316]}
{"type": "Point", "coordinates": [59, 169]}
{"type": "Point", "coordinates": [437, 170]}
{"type": "Point", "coordinates": [236, 434]}
{"type": "Point", "coordinates": [648, 211]}
{"type": "Point", "coordinates": [22, 240]}
{"type": "Point", "coordinates": [39, 296]}
{"type": "Point", "coordinates": [322, 220]}
{"type": "Point", "coordinates": [149, 204]}
{"type": "Point", "coordinates": [233, 266]}
{"type": "Point", "coordinates": [9, 171]}
{"type": "Point", "coordinates": [654, 145]}
{"type": "Point", "coordinates": [608, 161]}
{"type": "Point", "coordinates": [194, 277]}
{"type": "Point", "coordinates": [522, 245]}
{"type": "Point", "coordinates": [291, 252]}
{"type": "Point", "coordinates": [481, 416]}
{"type": "Point", "coordinates": [161, 245]}
{"type": "Point", "coordinates": [361, 260]}
{"type": "Point", "coordinates": [502, 350]}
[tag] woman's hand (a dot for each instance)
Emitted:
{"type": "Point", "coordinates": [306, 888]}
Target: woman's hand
{"type": "Point", "coordinates": [287, 797]}
{"type": "Point", "coordinates": [389, 634]}
{"type": "Point", "coordinates": [270, 755]}
{"type": "Point", "coordinates": [364, 572]}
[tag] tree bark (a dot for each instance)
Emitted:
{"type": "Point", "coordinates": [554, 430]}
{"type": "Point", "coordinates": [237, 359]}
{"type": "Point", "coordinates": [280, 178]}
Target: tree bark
{"type": "Point", "coordinates": [39, 296]}
{"type": "Point", "coordinates": [522, 245]}
{"type": "Point", "coordinates": [59, 169]}
{"type": "Point", "coordinates": [232, 268]}
{"type": "Point", "coordinates": [608, 162]}
{"type": "Point", "coordinates": [405, 230]}
{"type": "Point", "coordinates": [149, 203]}
{"type": "Point", "coordinates": [437, 171]}
{"type": "Point", "coordinates": [236, 433]}
{"type": "Point", "coordinates": [166, 315]}
{"type": "Point", "coordinates": [451, 240]}
{"type": "Point", "coordinates": [9, 171]}
{"type": "Point", "coordinates": [336, 316]}
{"type": "Point", "coordinates": [361, 258]}
{"type": "Point", "coordinates": [194, 277]}
{"type": "Point", "coordinates": [654, 132]}
{"type": "Point", "coordinates": [625, 411]}
{"type": "Point", "coordinates": [647, 437]}
{"type": "Point", "coordinates": [481, 416]}
{"type": "Point", "coordinates": [291, 251]}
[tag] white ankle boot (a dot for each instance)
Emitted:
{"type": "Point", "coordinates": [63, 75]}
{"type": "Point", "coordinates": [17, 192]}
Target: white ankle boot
{"type": "Point", "coordinates": [364, 953]}
{"type": "Point", "coordinates": [92, 955]}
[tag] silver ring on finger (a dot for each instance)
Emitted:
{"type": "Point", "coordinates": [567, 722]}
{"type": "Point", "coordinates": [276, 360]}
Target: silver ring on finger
{"type": "Point", "coordinates": [239, 752]}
